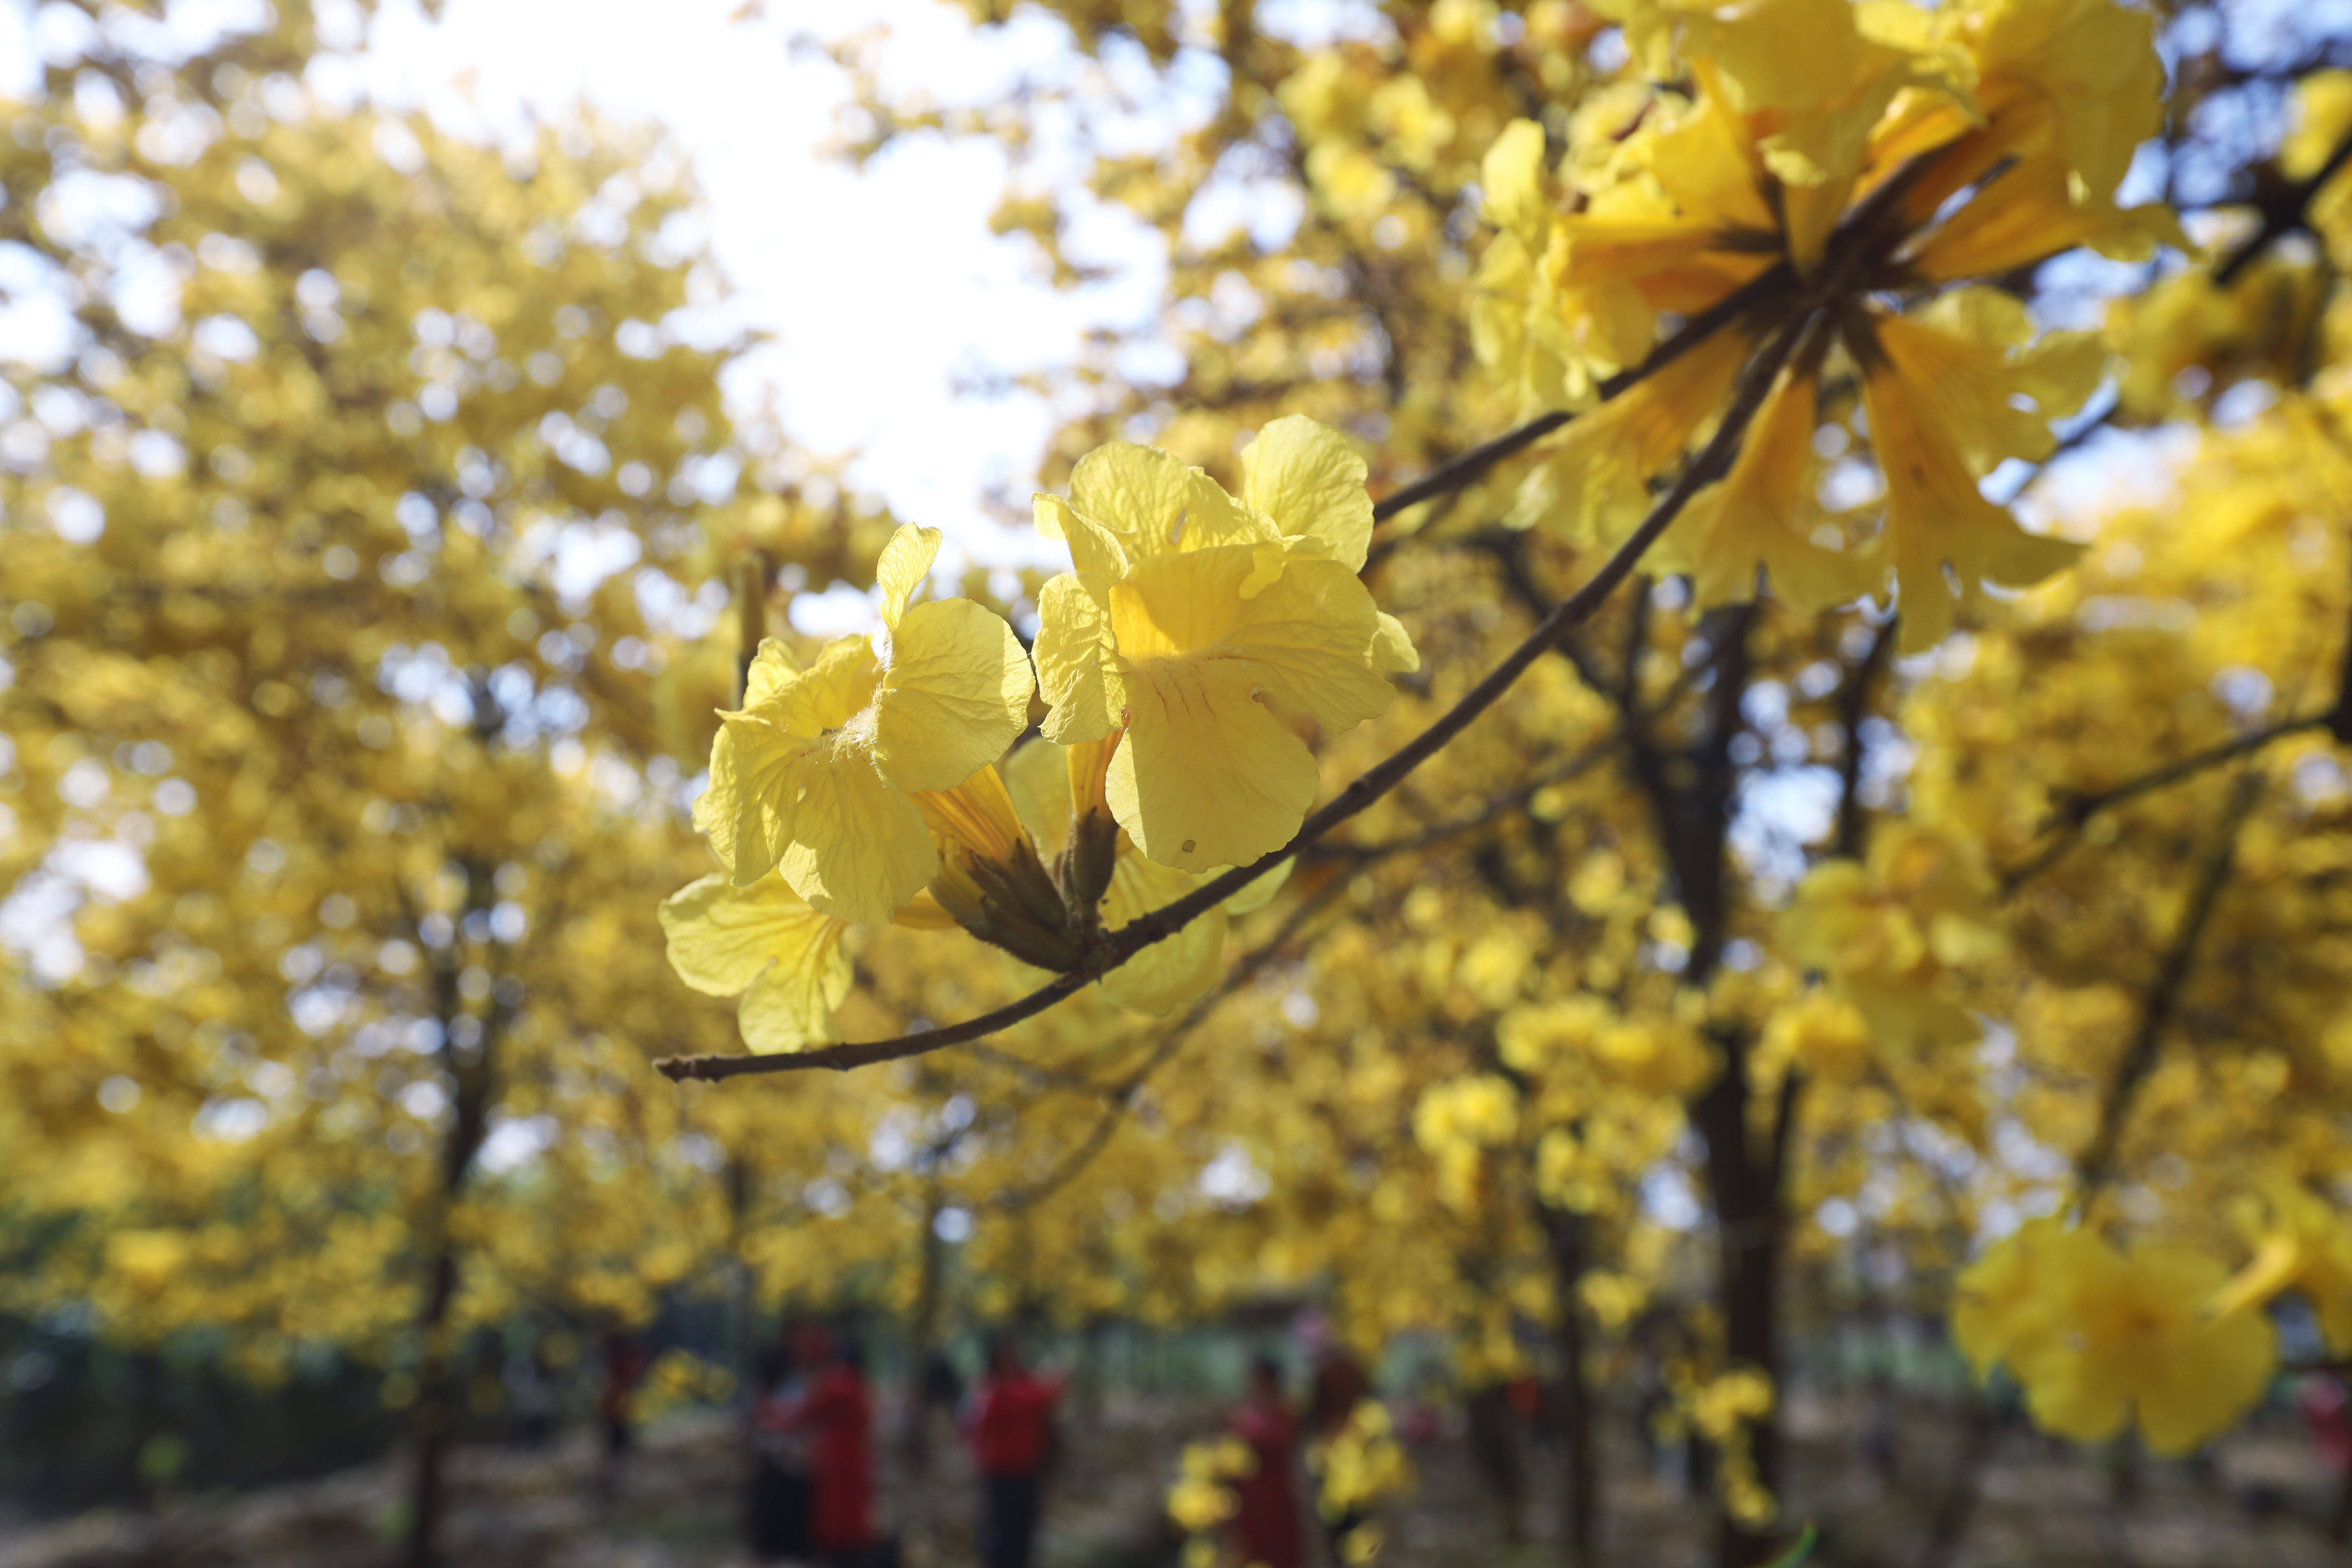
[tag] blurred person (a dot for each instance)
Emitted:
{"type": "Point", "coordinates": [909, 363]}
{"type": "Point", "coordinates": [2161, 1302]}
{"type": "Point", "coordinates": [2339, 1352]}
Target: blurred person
{"type": "Point", "coordinates": [530, 1395]}
{"type": "Point", "coordinates": [839, 1416]}
{"type": "Point", "coordinates": [2327, 1417]}
{"type": "Point", "coordinates": [625, 1362]}
{"type": "Point", "coordinates": [782, 1461]}
{"type": "Point", "coordinates": [1266, 1525]}
{"type": "Point", "coordinates": [1009, 1417]}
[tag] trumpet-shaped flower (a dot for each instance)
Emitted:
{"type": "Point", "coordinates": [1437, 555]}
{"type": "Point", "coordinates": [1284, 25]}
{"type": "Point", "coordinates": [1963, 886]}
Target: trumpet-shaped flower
{"type": "Point", "coordinates": [812, 773]}
{"type": "Point", "coordinates": [2099, 1337]}
{"type": "Point", "coordinates": [2302, 1243]}
{"type": "Point", "coordinates": [1761, 517]}
{"type": "Point", "coordinates": [1943, 398]}
{"type": "Point", "coordinates": [1202, 629]}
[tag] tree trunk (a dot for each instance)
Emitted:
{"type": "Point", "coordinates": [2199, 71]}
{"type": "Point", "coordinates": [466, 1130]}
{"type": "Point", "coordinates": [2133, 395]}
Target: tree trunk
{"type": "Point", "coordinates": [1494, 1452]}
{"type": "Point", "coordinates": [435, 1411]}
{"type": "Point", "coordinates": [1580, 1515]}
{"type": "Point", "coordinates": [922, 1339]}
{"type": "Point", "coordinates": [1691, 797]}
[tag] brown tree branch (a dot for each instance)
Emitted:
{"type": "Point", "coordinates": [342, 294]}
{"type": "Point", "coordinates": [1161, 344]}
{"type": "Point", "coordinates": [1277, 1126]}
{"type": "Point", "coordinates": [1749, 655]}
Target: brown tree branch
{"type": "Point", "coordinates": [2076, 814]}
{"type": "Point", "coordinates": [2172, 977]}
{"type": "Point", "coordinates": [2286, 212]}
{"type": "Point", "coordinates": [1461, 470]}
{"type": "Point", "coordinates": [1853, 707]}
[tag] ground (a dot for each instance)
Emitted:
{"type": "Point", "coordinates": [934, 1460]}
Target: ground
{"type": "Point", "coordinates": [2258, 1500]}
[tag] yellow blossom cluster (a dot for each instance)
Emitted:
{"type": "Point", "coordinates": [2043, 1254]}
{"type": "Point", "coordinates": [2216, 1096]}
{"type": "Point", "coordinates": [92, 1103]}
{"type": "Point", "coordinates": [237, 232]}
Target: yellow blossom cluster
{"type": "Point", "coordinates": [1849, 167]}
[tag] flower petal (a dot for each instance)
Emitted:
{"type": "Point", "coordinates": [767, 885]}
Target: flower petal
{"type": "Point", "coordinates": [1136, 492]}
{"type": "Point", "coordinates": [956, 694]}
{"type": "Point", "coordinates": [1072, 652]}
{"type": "Point", "coordinates": [1169, 973]}
{"type": "Point", "coordinates": [1310, 481]}
{"type": "Point", "coordinates": [860, 850]}
{"type": "Point", "coordinates": [1093, 549]}
{"type": "Point", "coordinates": [1206, 775]}
{"type": "Point", "coordinates": [765, 937]}
{"type": "Point", "coordinates": [906, 562]}
{"type": "Point", "coordinates": [748, 809]}
{"type": "Point", "coordinates": [1307, 638]}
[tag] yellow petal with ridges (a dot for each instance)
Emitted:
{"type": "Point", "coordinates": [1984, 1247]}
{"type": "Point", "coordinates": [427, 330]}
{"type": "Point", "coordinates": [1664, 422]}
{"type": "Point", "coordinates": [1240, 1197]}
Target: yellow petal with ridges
{"type": "Point", "coordinates": [1136, 492]}
{"type": "Point", "coordinates": [906, 562]}
{"type": "Point", "coordinates": [956, 694]}
{"type": "Point", "coordinates": [1211, 518]}
{"type": "Point", "coordinates": [860, 850]}
{"type": "Point", "coordinates": [1206, 775]}
{"type": "Point", "coordinates": [748, 809]}
{"type": "Point", "coordinates": [767, 940]}
{"type": "Point", "coordinates": [1310, 481]}
{"type": "Point", "coordinates": [773, 669]}
{"type": "Point", "coordinates": [1305, 641]}
{"type": "Point", "coordinates": [1092, 549]}
{"type": "Point", "coordinates": [1073, 653]}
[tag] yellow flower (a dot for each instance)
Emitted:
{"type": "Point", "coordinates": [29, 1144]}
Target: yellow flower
{"type": "Point", "coordinates": [1943, 396]}
{"type": "Point", "coordinates": [1890, 935]}
{"type": "Point", "coordinates": [765, 942]}
{"type": "Point", "coordinates": [2001, 1303]}
{"type": "Point", "coordinates": [1594, 483]}
{"type": "Point", "coordinates": [2302, 1246]}
{"type": "Point", "coordinates": [813, 774]}
{"type": "Point", "coordinates": [1207, 628]}
{"type": "Point", "coordinates": [2139, 1342]}
{"type": "Point", "coordinates": [1916, 148]}
{"type": "Point", "coordinates": [2098, 1337]}
{"type": "Point", "coordinates": [1762, 517]}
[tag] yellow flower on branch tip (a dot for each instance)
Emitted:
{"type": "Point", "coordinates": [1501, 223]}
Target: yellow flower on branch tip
{"type": "Point", "coordinates": [765, 942]}
{"type": "Point", "coordinates": [1207, 628]}
{"type": "Point", "coordinates": [1942, 398]}
{"type": "Point", "coordinates": [1920, 148]}
{"type": "Point", "coordinates": [1762, 517]}
{"type": "Point", "coordinates": [812, 773]}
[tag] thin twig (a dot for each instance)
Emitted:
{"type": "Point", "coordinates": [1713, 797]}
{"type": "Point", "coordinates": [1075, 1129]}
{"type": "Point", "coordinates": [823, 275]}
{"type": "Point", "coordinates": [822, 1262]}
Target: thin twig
{"type": "Point", "coordinates": [1461, 470]}
{"type": "Point", "coordinates": [2071, 442]}
{"type": "Point", "coordinates": [2070, 819]}
{"type": "Point", "coordinates": [2164, 995]}
{"type": "Point", "coordinates": [1384, 776]}
{"type": "Point", "coordinates": [2285, 213]}
{"type": "Point", "coordinates": [1853, 707]}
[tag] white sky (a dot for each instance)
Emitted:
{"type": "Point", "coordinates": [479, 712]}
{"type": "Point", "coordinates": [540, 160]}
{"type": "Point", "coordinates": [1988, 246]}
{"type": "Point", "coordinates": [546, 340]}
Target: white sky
{"type": "Point", "coordinates": [878, 290]}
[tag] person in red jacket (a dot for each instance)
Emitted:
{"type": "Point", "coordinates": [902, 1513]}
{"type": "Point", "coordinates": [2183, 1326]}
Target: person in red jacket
{"type": "Point", "coordinates": [839, 1415]}
{"type": "Point", "coordinates": [1010, 1421]}
{"type": "Point", "coordinates": [1266, 1525]}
